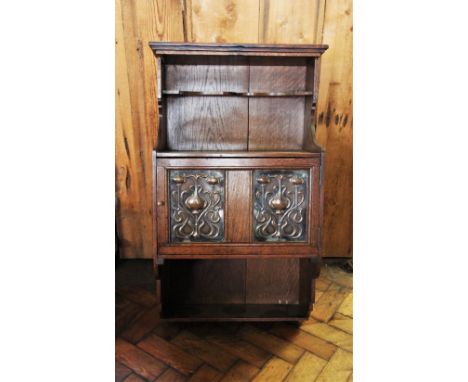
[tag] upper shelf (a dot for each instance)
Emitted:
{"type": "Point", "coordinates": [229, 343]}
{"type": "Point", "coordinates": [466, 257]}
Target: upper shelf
{"type": "Point", "coordinates": [237, 93]}
{"type": "Point", "coordinates": [213, 98]}
{"type": "Point", "coordinates": [173, 48]}
{"type": "Point", "coordinates": [239, 154]}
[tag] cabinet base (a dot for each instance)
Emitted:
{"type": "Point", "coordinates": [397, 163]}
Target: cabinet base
{"type": "Point", "coordinates": [236, 312]}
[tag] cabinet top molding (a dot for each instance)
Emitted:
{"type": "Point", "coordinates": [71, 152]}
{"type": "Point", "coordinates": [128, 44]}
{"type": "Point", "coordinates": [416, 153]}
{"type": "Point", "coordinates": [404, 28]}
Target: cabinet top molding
{"type": "Point", "coordinates": [180, 48]}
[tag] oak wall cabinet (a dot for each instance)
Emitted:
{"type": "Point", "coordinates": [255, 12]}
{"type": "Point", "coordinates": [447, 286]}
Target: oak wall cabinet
{"type": "Point", "coordinates": [238, 181]}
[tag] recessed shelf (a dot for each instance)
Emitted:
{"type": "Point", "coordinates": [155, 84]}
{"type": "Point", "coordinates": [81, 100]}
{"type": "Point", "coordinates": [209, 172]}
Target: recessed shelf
{"type": "Point", "coordinates": [236, 93]}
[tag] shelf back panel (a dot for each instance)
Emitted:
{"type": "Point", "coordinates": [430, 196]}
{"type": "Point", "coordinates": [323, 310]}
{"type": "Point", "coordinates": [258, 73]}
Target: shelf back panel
{"type": "Point", "coordinates": [205, 281]}
{"type": "Point", "coordinates": [277, 124]}
{"type": "Point", "coordinates": [207, 73]}
{"type": "Point", "coordinates": [253, 281]}
{"type": "Point", "coordinates": [229, 123]}
{"type": "Point", "coordinates": [207, 123]}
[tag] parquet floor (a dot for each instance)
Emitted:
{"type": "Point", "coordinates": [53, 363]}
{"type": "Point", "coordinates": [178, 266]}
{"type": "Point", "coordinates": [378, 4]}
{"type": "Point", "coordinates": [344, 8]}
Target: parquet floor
{"type": "Point", "coordinates": [320, 349]}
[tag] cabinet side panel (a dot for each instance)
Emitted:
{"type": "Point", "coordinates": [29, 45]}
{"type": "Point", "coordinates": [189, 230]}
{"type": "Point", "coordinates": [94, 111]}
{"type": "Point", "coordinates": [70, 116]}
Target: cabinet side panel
{"type": "Point", "coordinates": [274, 281]}
{"type": "Point", "coordinates": [238, 206]}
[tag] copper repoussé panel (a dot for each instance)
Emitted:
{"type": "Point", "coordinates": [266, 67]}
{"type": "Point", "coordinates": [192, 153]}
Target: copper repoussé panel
{"type": "Point", "coordinates": [197, 205]}
{"type": "Point", "coordinates": [280, 205]}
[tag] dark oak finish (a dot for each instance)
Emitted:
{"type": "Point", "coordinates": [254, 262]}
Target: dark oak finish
{"type": "Point", "coordinates": [237, 154]}
{"type": "Point", "coordinates": [238, 189]}
{"type": "Point", "coordinates": [276, 50]}
{"type": "Point", "coordinates": [206, 73]}
{"type": "Point", "coordinates": [207, 123]}
{"type": "Point", "coordinates": [232, 250]}
{"type": "Point", "coordinates": [161, 206]}
{"type": "Point", "coordinates": [239, 162]}
{"type": "Point", "coordinates": [272, 281]}
{"type": "Point", "coordinates": [238, 216]}
{"type": "Point", "coordinates": [237, 93]}
{"type": "Point", "coordinates": [192, 282]}
{"type": "Point", "coordinates": [282, 129]}
{"type": "Point", "coordinates": [277, 123]}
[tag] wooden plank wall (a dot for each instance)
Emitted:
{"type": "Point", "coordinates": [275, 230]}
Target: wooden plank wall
{"type": "Point", "coordinates": [253, 21]}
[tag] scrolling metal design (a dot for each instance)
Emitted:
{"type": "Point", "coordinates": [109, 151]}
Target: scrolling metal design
{"type": "Point", "coordinates": [280, 205]}
{"type": "Point", "coordinates": [197, 205]}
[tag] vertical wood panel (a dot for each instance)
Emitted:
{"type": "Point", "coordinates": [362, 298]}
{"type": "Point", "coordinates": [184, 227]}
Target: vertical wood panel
{"type": "Point", "coordinates": [334, 127]}
{"type": "Point", "coordinates": [328, 22]}
{"type": "Point", "coordinates": [225, 20]}
{"type": "Point", "coordinates": [123, 122]}
{"type": "Point", "coordinates": [262, 21]}
{"type": "Point", "coordinates": [134, 205]}
{"type": "Point", "coordinates": [239, 212]}
{"type": "Point", "coordinates": [137, 23]}
{"type": "Point", "coordinates": [290, 22]}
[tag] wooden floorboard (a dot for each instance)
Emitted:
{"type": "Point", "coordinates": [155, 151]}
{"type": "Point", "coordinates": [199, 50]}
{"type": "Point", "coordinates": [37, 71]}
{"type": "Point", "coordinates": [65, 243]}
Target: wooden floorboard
{"type": "Point", "coordinates": [319, 349]}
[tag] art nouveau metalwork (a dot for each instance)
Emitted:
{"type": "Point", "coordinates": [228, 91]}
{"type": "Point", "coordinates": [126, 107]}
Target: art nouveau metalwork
{"type": "Point", "coordinates": [280, 205]}
{"type": "Point", "coordinates": [197, 205]}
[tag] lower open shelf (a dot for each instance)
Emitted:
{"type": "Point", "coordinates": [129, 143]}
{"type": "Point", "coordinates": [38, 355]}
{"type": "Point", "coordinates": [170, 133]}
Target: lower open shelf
{"type": "Point", "coordinates": [236, 312]}
{"type": "Point", "coordinates": [279, 289]}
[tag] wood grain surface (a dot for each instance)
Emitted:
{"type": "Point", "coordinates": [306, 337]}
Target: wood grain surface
{"type": "Point", "coordinates": [207, 123]}
{"type": "Point", "coordinates": [223, 21]}
{"type": "Point", "coordinates": [276, 123]}
{"type": "Point", "coordinates": [272, 281]}
{"type": "Point", "coordinates": [236, 21]}
{"type": "Point", "coordinates": [238, 201]}
{"type": "Point", "coordinates": [335, 128]}
{"type": "Point", "coordinates": [207, 73]}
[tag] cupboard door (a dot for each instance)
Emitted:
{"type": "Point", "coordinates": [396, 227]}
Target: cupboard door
{"type": "Point", "coordinates": [280, 205]}
{"type": "Point", "coordinates": [196, 205]}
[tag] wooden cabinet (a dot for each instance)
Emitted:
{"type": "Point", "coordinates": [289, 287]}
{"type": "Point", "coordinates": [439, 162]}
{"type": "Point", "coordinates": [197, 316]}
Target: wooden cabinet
{"type": "Point", "coordinates": [238, 185]}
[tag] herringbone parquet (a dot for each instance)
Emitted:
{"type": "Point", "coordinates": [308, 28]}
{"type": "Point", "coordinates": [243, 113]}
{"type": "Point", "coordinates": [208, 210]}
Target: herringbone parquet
{"type": "Point", "coordinates": [320, 349]}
